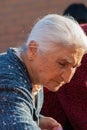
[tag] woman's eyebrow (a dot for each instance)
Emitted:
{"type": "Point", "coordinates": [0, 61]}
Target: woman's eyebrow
{"type": "Point", "coordinates": [70, 61]}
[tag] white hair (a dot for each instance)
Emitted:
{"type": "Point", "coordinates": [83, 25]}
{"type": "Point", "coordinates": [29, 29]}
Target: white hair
{"type": "Point", "coordinates": [55, 29]}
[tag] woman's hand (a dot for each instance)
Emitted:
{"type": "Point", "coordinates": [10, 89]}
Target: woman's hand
{"type": "Point", "coordinates": [48, 123]}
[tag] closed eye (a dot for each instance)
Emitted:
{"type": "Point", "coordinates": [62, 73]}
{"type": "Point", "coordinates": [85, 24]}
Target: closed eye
{"type": "Point", "coordinates": [62, 64]}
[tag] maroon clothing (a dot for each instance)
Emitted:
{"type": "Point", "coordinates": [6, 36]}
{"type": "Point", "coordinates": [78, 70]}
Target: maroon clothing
{"type": "Point", "coordinates": [69, 105]}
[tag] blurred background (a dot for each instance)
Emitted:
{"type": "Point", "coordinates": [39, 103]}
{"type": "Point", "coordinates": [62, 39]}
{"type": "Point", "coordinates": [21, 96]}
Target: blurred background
{"type": "Point", "coordinates": [17, 18]}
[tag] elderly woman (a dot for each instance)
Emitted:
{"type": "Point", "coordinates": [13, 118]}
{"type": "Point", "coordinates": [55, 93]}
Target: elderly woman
{"type": "Point", "coordinates": [52, 53]}
{"type": "Point", "coordinates": [70, 106]}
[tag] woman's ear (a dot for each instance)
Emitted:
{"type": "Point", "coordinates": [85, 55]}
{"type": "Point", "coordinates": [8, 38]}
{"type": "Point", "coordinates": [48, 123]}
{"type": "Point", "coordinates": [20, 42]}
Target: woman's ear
{"type": "Point", "coordinates": [32, 49]}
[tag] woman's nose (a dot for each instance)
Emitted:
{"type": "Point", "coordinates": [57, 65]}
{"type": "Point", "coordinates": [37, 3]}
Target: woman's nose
{"type": "Point", "coordinates": [68, 74]}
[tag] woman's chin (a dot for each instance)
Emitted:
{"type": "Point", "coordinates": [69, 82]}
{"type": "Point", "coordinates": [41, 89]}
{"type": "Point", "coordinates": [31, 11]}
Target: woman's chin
{"type": "Point", "coordinates": [54, 89]}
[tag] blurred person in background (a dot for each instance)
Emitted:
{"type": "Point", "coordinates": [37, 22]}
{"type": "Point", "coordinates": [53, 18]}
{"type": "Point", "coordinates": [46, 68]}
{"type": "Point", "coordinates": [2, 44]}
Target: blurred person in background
{"type": "Point", "coordinates": [49, 58]}
{"type": "Point", "coordinates": [77, 11]}
{"type": "Point", "coordinates": [69, 105]}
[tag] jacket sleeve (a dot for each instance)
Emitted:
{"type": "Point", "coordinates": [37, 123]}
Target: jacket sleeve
{"type": "Point", "coordinates": [16, 112]}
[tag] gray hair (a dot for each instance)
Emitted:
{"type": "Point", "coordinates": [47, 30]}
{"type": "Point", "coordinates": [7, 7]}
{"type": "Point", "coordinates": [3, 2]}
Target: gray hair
{"type": "Point", "coordinates": [54, 29]}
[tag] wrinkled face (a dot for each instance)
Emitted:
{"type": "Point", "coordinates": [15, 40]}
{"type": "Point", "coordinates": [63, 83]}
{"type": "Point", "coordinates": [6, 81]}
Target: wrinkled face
{"type": "Point", "coordinates": [57, 68]}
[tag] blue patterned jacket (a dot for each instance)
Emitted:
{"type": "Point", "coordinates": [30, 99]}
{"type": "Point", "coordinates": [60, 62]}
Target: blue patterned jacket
{"type": "Point", "coordinates": [17, 109]}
